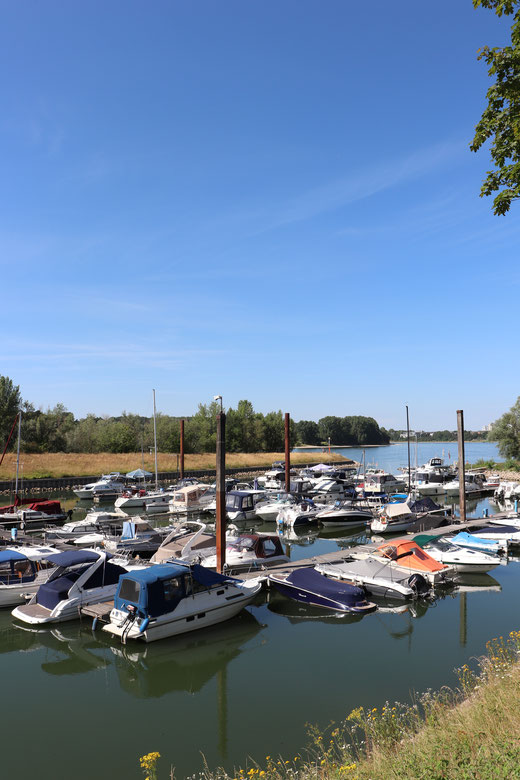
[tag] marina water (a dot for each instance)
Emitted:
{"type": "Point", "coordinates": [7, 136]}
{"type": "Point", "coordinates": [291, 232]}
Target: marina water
{"type": "Point", "coordinates": [80, 705]}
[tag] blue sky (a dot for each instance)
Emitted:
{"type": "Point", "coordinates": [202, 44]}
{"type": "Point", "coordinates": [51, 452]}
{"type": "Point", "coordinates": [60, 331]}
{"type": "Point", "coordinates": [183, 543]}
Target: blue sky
{"type": "Point", "coordinates": [268, 200]}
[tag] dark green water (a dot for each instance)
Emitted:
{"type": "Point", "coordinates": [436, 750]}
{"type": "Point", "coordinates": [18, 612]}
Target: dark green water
{"type": "Point", "coordinates": [79, 705]}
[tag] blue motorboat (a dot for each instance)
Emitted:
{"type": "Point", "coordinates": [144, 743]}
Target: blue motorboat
{"type": "Point", "coordinates": [476, 542]}
{"type": "Point", "coordinates": [311, 587]}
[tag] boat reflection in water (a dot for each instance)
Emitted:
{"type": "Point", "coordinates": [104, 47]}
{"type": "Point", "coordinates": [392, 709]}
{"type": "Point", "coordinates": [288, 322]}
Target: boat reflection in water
{"type": "Point", "coordinates": [184, 663]}
{"type": "Point", "coordinates": [297, 611]}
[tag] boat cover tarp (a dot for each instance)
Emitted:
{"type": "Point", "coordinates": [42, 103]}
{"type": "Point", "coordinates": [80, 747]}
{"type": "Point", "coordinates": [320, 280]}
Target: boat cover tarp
{"type": "Point", "coordinates": [11, 555]}
{"type": "Point", "coordinates": [423, 539]}
{"type": "Point", "coordinates": [397, 510]}
{"type": "Point", "coordinates": [425, 504]}
{"type": "Point", "coordinates": [75, 557]}
{"type": "Point", "coordinates": [310, 579]}
{"type": "Point", "coordinates": [464, 538]}
{"type": "Point", "coordinates": [321, 467]}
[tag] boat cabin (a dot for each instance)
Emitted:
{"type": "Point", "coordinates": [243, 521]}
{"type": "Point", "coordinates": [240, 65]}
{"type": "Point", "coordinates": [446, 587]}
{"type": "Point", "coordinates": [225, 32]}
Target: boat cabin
{"type": "Point", "coordinates": [159, 589]}
{"type": "Point", "coordinates": [187, 497]}
{"type": "Point", "coordinates": [257, 545]}
{"type": "Point", "coordinates": [16, 568]}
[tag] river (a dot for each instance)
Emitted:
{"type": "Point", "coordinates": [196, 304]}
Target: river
{"type": "Point", "coordinates": [78, 704]}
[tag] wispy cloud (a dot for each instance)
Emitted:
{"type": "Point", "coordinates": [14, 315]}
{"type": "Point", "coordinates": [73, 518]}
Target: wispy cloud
{"type": "Point", "coordinates": [364, 183]}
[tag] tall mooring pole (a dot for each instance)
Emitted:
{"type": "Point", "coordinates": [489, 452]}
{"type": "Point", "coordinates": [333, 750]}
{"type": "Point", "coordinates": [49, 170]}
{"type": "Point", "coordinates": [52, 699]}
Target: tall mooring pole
{"type": "Point", "coordinates": [287, 452]}
{"type": "Point", "coordinates": [181, 470]}
{"type": "Point", "coordinates": [221, 491]}
{"type": "Point", "coordinates": [462, 466]}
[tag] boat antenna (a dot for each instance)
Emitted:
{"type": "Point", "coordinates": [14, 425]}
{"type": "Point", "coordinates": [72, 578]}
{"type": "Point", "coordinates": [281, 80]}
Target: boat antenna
{"type": "Point", "coordinates": [408, 441]}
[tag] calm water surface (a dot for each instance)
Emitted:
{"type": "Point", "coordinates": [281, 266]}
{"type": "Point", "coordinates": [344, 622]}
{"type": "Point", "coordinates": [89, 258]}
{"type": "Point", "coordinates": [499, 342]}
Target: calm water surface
{"type": "Point", "coordinates": [82, 706]}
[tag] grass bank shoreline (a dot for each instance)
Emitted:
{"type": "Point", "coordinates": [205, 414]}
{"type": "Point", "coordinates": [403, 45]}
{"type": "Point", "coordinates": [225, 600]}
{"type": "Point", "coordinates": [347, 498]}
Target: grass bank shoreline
{"type": "Point", "coordinates": [467, 733]}
{"type": "Point", "coordinates": [62, 464]}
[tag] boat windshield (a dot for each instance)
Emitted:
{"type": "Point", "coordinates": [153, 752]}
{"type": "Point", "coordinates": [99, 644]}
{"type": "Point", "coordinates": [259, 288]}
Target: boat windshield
{"type": "Point", "coordinates": [240, 544]}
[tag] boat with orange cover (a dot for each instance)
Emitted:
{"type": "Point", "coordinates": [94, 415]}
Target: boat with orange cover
{"type": "Point", "coordinates": [408, 556]}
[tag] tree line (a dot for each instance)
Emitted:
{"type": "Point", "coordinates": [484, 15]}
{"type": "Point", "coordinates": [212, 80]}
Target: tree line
{"type": "Point", "coordinates": [57, 429]}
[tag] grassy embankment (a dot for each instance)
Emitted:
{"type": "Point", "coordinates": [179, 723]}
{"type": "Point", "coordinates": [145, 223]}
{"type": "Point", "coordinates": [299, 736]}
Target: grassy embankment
{"type": "Point", "coordinates": [509, 469]}
{"type": "Point", "coordinates": [472, 732]}
{"type": "Point", "coordinates": [70, 464]}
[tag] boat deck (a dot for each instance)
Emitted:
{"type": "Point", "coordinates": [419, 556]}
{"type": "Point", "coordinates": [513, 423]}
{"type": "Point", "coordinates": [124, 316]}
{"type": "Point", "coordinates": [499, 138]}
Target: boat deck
{"type": "Point", "coordinates": [99, 611]}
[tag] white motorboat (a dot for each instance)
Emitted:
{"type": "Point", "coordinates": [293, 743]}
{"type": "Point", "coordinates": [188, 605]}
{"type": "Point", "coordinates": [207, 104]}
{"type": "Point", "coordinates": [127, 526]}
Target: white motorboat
{"type": "Point", "coordinates": [190, 498]}
{"type": "Point", "coordinates": [93, 522]}
{"type": "Point", "coordinates": [246, 552]}
{"type": "Point", "coordinates": [170, 599]}
{"type": "Point", "coordinates": [241, 504]}
{"type": "Point", "coordinates": [345, 513]}
{"type": "Point", "coordinates": [81, 577]}
{"type": "Point", "coordinates": [22, 571]}
{"type": "Point", "coordinates": [405, 555]}
{"type": "Point", "coordinates": [392, 519]}
{"type": "Point", "coordinates": [105, 486]}
{"type": "Point", "coordinates": [269, 511]}
{"type": "Point", "coordinates": [298, 514]}
{"type": "Point", "coordinates": [148, 500]}
{"type": "Point", "coordinates": [379, 482]}
{"type": "Point", "coordinates": [461, 559]}
{"type": "Point", "coordinates": [472, 485]}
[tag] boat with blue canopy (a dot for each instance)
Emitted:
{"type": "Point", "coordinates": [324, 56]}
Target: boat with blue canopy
{"type": "Point", "coordinates": [22, 571]}
{"type": "Point", "coordinates": [311, 587]}
{"type": "Point", "coordinates": [169, 599]}
{"type": "Point", "coordinates": [81, 577]}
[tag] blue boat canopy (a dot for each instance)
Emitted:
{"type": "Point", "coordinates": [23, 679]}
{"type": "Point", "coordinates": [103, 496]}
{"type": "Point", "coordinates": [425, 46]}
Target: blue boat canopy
{"type": "Point", "coordinates": [6, 556]}
{"type": "Point", "coordinates": [75, 557]}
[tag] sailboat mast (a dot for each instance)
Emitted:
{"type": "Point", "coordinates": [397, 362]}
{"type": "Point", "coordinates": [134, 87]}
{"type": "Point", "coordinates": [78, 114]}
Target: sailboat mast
{"type": "Point", "coordinates": [408, 439]}
{"type": "Point", "coordinates": [155, 441]}
{"type": "Point", "coordinates": [18, 451]}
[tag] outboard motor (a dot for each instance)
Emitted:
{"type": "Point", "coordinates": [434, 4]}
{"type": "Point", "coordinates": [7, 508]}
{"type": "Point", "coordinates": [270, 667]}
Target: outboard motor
{"type": "Point", "coordinates": [419, 586]}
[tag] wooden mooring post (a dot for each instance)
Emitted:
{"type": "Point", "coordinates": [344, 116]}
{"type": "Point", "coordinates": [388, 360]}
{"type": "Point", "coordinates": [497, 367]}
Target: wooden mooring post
{"type": "Point", "coordinates": [181, 448]}
{"type": "Point", "coordinates": [462, 465]}
{"type": "Point", "coordinates": [221, 491]}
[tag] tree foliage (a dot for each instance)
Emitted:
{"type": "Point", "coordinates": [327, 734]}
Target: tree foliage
{"type": "Point", "coordinates": [506, 431]}
{"type": "Point", "coordinates": [500, 120]}
{"type": "Point", "coordinates": [10, 402]}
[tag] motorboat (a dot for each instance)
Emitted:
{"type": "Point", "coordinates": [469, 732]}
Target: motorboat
{"type": "Point", "coordinates": [189, 498]}
{"type": "Point", "coordinates": [393, 519]}
{"type": "Point", "coordinates": [104, 486]}
{"type": "Point", "coordinates": [344, 513]}
{"type": "Point", "coordinates": [311, 587]}
{"type": "Point", "coordinates": [246, 552]}
{"type": "Point", "coordinates": [170, 599]}
{"type": "Point", "coordinates": [241, 504]}
{"type": "Point", "coordinates": [472, 485]}
{"type": "Point", "coordinates": [405, 555]}
{"type": "Point", "coordinates": [156, 500]}
{"type": "Point", "coordinates": [302, 513]}
{"type": "Point", "coordinates": [378, 578]}
{"type": "Point", "coordinates": [269, 511]}
{"type": "Point", "coordinates": [22, 571]}
{"type": "Point", "coordinates": [138, 537]}
{"type": "Point", "coordinates": [94, 522]}
{"type": "Point", "coordinates": [379, 483]}
{"type": "Point", "coordinates": [32, 514]}
{"type": "Point", "coordinates": [185, 541]}
{"type": "Point", "coordinates": [461, 559]}
{"type": "Point", "coordinates": [507, 534]}
{"type": "Point", "coordinates": [81, 577]}
{"type": "Point", "coordinates": [329, 489]}
{"type": "Point", "coordinates": [507, 490]}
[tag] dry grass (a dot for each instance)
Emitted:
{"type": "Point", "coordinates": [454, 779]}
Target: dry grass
{"type": "Point", "coordinates": [63, 464]}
